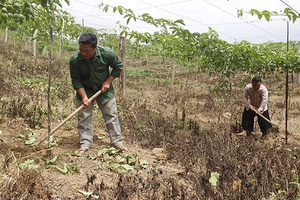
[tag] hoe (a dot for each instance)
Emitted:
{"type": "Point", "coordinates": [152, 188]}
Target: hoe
{"type": "Point", "coordinates": [274, 128]}
{"type": "Point", "coordinates": [69, 117]}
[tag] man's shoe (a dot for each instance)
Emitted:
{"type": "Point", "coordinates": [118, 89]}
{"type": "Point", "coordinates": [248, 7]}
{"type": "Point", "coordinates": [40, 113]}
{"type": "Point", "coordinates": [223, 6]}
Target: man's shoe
{"type": "Point", "coordinates": [121, 147]}
{"type": "Point", "coordinates": [82, 150]}
{"type": "Point", "coordinates": [243, 133]}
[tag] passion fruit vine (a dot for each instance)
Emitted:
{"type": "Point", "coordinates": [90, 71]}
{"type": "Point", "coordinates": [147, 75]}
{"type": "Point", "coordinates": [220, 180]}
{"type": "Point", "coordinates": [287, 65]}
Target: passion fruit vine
{"type": "Point", "coordinates": [15, 11]}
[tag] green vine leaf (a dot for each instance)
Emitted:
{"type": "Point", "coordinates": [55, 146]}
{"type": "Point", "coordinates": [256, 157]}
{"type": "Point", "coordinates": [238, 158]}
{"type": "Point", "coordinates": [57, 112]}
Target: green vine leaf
{"type": "Point", "coordinates": [28, 164]}
{"type": "Point", "coordinates": [119, 168]}
{"type": "Point", "coordinates": [214, 177]}
{"type": "Point", "coordinates": [267, 15]}
{"type": "Point", "coordinates": [115, 9]}
{"type": "Point", "coordinates": [120, 9]}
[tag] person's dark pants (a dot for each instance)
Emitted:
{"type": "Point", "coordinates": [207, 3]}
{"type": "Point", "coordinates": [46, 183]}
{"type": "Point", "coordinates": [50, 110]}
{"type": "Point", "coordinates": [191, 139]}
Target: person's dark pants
{"type": "Point", "coordinates": [248, 121]}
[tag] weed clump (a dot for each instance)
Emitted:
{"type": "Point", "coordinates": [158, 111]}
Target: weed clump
{"type": "Point", "coordinates": [29, 184]}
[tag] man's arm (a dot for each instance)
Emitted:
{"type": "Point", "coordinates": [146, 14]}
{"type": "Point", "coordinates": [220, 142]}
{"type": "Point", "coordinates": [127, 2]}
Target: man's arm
{"type": "Point", "coordinates": [77, 85]}
{"type": "Point", "coordinates": [264, 100]}
{"type": "Point", "coordinates": [84, 98]}
{"type": "Point", "coordinates": [117, 65]}
{"type": "Point", "coordinates": [246, 99]}
{"type": "Point", "coordinates": [106, 84]}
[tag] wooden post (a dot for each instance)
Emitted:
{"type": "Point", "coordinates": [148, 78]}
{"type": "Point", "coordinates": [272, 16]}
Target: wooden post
{"type": "Point", "coordinates": [34, 44]}
{"type": "Point", "coordinates": [122, 85]}
{"type": "Point", "coordinates": [287, 85]}
{"type": "Point", "coordinates": [6, 34]}
{"type": "Point", "coordinates": [173, 71]}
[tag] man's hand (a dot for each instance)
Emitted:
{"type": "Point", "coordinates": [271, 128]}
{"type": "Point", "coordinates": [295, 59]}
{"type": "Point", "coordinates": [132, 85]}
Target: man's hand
{"type": "Point", "coordinates": [257, 111]}
{"type": "Point", "coordinates": [85, 101]}
{"type": "Point", "coordinates": [105, 86]}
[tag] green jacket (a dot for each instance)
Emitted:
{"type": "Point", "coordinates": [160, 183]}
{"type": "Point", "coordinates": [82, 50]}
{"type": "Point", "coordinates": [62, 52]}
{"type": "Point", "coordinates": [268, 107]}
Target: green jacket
{"type": "Point", "coordinates": [91, 74]}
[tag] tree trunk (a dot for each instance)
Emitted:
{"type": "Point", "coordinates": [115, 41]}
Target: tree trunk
{"type": "Point", "coordinates": [123, 74]}
{"type": "Point", "coordinates": [49, 80]}
{"type": "Point", "coordinates": [61, 38]}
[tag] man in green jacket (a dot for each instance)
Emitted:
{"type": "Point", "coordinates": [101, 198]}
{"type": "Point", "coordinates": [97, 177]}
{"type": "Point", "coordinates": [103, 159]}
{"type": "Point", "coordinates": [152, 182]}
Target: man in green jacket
{"type": "Point", "coordinates": [90, 72]}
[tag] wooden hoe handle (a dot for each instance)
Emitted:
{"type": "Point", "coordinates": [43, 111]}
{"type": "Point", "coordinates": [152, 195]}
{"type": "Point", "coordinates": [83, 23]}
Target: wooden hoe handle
{"type": "Point", "coordinates": [69, 117]}
{"type": "Point", "coordinates": [265, 118]}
